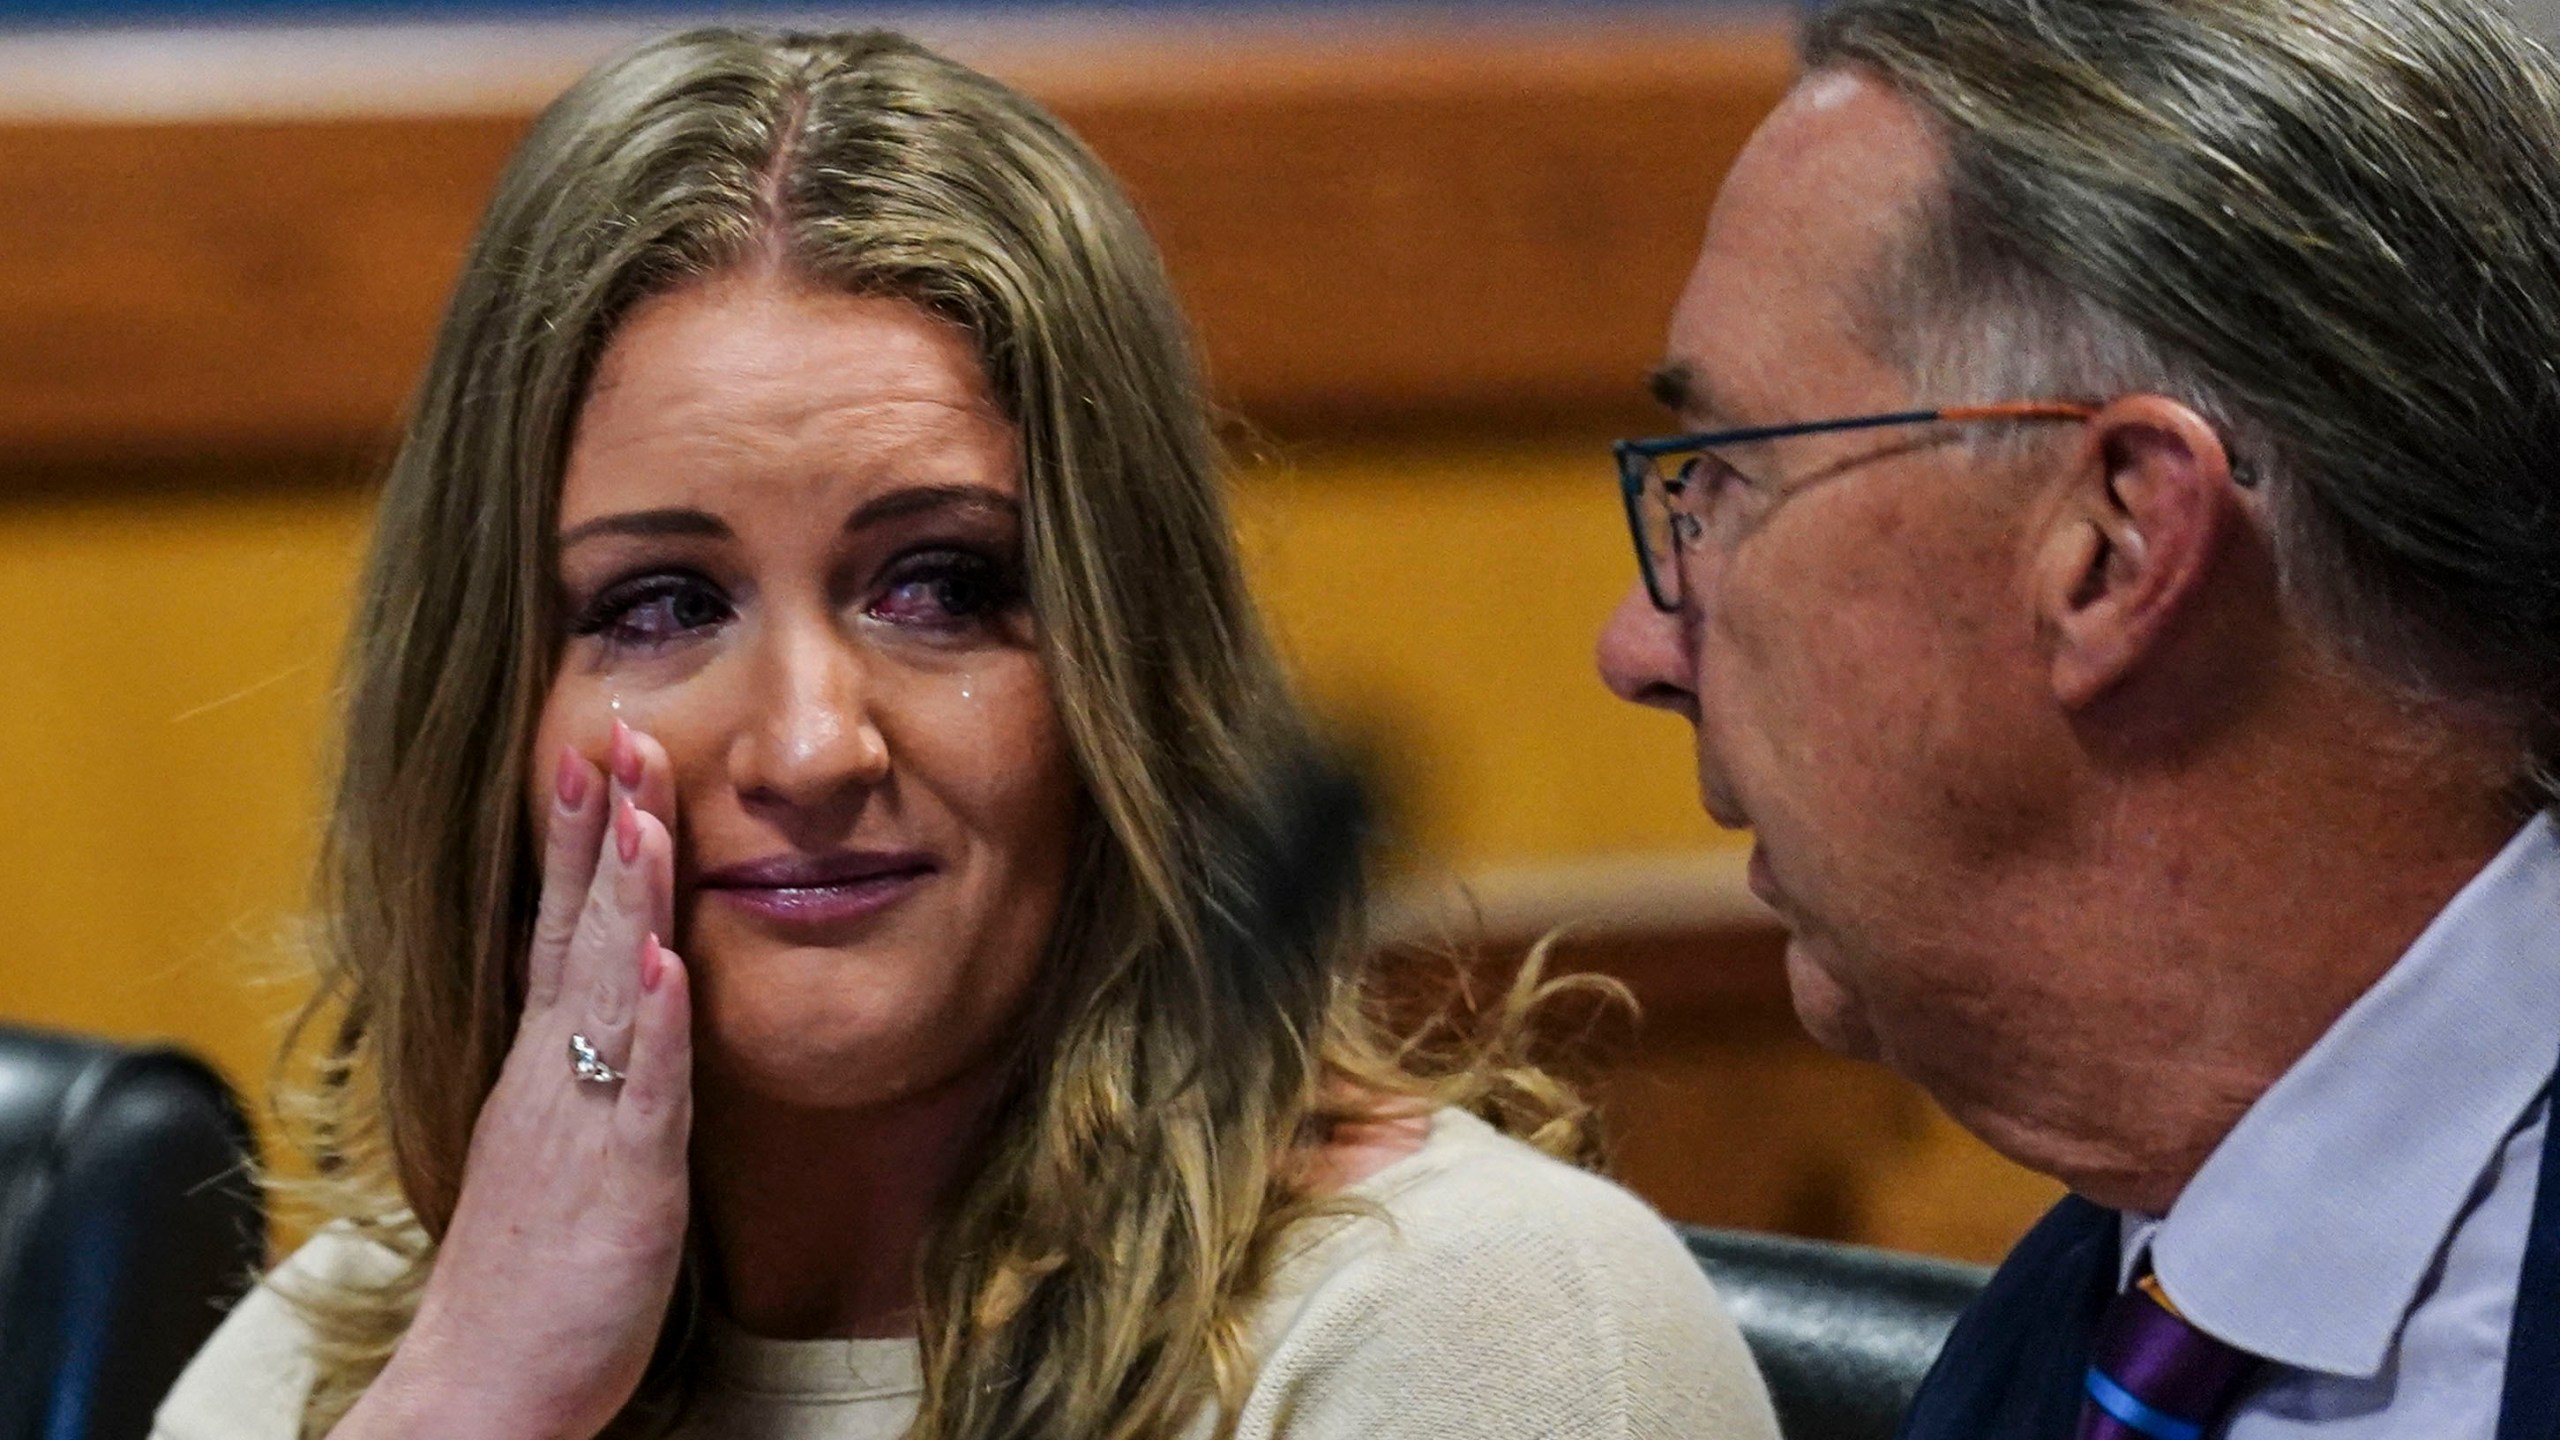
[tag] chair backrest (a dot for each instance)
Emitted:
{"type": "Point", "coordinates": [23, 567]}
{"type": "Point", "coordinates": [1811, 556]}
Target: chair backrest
{"type": "Point", "coordinates": [128, 1223]}
{"type": "Point", "coordinates": [1843, 1333]}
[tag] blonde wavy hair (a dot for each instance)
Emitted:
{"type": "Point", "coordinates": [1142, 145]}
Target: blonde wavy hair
{"type": "Point", "coordinates": [1093, 1278]}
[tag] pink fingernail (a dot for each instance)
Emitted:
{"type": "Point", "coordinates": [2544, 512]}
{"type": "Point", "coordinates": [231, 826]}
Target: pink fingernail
{"type": "Point", "coordinates": [572, 782]}
{"type": "Point", "coordinates": [626, 832]}
{"type": "Point", "coordinates": [626, 757]}
{"type": "Point", "coordinates": [653, 964]}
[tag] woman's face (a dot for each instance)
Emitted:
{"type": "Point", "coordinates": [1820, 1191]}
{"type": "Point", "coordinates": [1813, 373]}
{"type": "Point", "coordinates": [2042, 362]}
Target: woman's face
{"type": "Point", "coordinates": [790, 552]}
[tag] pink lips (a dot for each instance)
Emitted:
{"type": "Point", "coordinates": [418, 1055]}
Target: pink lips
{"type": "Point", "coordinates": [819, 889]}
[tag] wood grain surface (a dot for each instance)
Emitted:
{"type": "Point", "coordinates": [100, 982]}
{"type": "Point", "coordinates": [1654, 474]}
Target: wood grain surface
{"type": "Point", "coordinates": [1414, 229]}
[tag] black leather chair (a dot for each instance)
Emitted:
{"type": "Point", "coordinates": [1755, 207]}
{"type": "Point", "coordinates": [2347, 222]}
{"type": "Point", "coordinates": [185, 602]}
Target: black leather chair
{"type": "Point", "coordinates": [1843, 1333]}
{"type": "Point", "coordinates": [128, 1223]}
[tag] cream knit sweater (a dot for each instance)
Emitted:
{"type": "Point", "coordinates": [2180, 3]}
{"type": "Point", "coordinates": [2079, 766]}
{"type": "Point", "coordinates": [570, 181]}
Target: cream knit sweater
{"type": "Point", "coordinates": [1504, 1295]}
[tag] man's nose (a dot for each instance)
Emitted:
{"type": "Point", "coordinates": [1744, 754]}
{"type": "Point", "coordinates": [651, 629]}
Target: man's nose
{"type": "Point", "coordinates": [1644, 657]}
{"type": "Point", "coordinates": [813, 737]}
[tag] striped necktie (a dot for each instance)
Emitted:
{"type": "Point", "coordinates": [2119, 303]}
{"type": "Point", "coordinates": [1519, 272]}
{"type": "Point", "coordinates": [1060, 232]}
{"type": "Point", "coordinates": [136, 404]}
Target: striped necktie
{"type": "Point", "coordinates": [2153, 1376]}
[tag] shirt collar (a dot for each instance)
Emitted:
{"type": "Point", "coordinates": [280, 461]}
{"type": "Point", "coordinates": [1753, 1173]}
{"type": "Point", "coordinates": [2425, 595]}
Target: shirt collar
{"type": "Point", "coordinates": [2308, 1232]}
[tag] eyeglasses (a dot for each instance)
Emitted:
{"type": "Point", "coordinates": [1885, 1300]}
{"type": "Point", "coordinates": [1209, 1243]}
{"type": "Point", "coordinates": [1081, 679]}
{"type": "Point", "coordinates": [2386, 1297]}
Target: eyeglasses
{"type": "Point", "coordinates": [1687, 488]}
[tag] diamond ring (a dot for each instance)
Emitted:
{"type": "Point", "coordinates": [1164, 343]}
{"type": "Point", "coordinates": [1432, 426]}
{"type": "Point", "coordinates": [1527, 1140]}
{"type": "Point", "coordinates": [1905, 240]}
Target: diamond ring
{"type": "Point", "coordinates": [589, 1065]}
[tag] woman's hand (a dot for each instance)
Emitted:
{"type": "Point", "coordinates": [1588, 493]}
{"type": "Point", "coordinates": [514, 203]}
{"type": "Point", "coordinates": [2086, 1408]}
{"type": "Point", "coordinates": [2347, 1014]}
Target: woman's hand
{"type": "Point", "coordinates": [553, 1278]}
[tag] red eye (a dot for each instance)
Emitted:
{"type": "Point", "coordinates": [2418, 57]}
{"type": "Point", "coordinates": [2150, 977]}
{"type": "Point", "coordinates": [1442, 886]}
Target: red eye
{"type": "Point", "coordinates": [944, 588]}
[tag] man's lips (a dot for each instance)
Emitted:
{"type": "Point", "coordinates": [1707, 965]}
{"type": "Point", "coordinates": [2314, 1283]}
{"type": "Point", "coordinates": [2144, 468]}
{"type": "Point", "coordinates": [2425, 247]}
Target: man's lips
{"type": "Point", "coordinates": [819, 889]}
{"type": "Point", "coordinates": [1764, 886]}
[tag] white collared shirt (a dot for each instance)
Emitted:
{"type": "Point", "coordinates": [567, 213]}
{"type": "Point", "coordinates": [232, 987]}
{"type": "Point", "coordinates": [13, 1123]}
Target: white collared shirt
{"type": "Point", "coordinates": [2363, 1225]}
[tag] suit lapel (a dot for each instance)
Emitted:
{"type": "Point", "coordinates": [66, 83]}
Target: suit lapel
{"type": "Point", "coordinates": [2012, 1368]}
{"type": "Point", "coordinates": [2531, 1398]}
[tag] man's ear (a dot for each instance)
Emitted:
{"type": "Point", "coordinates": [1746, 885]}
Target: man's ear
{"type": "Point", "coordinates": [2130, 547]}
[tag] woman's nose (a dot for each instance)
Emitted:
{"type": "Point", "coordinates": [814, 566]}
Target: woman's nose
{"type": "Point", "coordinates": [811, 739]}
{"type": "Point", "coordinates": [1644, 656]}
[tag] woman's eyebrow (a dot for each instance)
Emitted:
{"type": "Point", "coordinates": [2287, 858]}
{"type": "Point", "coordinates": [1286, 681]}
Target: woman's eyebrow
{"type": "Point", "coordinates": [919, 499]}
{"type": "Point", "coordinates": [676, 521]}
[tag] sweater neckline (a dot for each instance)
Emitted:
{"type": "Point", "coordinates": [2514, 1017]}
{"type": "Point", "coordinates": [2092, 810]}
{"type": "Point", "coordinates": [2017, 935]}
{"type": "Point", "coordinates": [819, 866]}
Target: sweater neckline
{"type": "Point", "coordinates": [836, 1369]}
{"type": "Point", "coordinates": [826, 1369]}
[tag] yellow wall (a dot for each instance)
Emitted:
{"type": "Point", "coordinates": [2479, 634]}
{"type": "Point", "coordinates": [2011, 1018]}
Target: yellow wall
{"type": "Point", "coordinates": [168, 659]}
{"type": "Point", "coordinates": [1441, 604]}
{"type": "Point", "coordinates": [166, 676]}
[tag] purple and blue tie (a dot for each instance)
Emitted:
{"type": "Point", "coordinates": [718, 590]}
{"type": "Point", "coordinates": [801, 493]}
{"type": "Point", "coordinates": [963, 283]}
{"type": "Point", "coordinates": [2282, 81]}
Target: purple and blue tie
{"type": "Point", "coordinates": [2153, 1376]}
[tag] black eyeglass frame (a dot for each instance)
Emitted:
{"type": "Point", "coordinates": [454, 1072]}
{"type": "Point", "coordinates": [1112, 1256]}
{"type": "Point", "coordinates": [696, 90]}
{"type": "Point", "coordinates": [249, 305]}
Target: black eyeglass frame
{"type": "Point", "coordinates": [1636, 464]}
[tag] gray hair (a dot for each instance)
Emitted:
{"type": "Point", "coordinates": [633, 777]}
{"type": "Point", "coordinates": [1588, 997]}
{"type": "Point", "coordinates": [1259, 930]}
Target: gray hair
{"type": "Point", "coordinates": [2330, 226]}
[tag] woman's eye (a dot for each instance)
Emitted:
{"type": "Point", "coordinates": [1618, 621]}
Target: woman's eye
{"type": "Point", "coordinates": [944, 588]}
{"type": "Point", "coordinates": [654, 610]}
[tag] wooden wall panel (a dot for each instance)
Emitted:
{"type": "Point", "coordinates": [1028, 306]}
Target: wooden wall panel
{"type": "Point", "coordinates": [1407, 230]}
{"type": "Point", "coordinates": [1719, 1108]}
{"type": "Point", "coordinates": [221, 288]}
{"type": "Point", "coordinates": [1422, 235]}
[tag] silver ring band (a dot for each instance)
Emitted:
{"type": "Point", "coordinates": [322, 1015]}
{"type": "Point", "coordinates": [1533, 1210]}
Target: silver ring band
{"type": "Point", "coordinates": [590, 1066]}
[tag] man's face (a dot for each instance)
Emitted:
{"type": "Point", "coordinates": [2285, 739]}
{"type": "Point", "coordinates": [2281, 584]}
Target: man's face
{"type": "Point", "coordinates": [1860, 659]}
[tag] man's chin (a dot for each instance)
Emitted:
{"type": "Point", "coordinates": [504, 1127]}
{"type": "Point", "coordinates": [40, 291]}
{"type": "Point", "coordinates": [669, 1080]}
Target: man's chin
{"type": "Point", "coordinates": [1721, 807]}
{"type": "Point", "coordinates": [1825, 1007]}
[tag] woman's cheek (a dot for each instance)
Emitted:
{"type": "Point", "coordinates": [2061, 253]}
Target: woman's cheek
{"type": "Point", "coordinates": [579, 714]}
{"type": "Point", "coordinates": [555, 731]}
{"type": "Point", "coordinates": [1010, 713]}
{"type": "Point", "coordinates": [987, 741]}
{"type": "Point", "coordinates": [1042, 788]}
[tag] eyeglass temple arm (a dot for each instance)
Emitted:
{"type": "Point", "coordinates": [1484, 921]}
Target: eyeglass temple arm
{"type": "Point", "coordinates": [2006, 410]}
